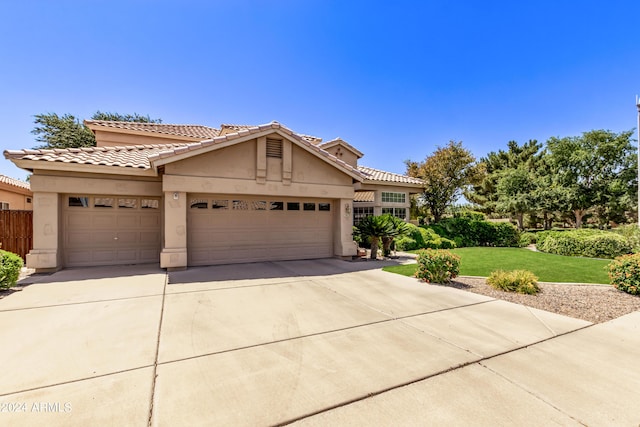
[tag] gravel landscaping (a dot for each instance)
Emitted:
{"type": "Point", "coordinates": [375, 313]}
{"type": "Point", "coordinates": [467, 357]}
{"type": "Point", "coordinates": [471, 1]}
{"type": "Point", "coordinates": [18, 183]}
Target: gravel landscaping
{"type": "Point", "coordinates": [595, 303]}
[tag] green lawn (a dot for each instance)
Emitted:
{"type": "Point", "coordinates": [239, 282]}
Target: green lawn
{"type": "Point", "coordinates": [548, 267]}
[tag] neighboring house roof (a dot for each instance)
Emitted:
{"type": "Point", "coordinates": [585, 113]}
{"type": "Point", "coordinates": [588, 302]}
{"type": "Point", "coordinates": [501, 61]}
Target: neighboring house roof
{"type": "Point", "coordinates": [383, 176]}
{"type": "Point", "coordinates": [342, 142]}
{"type": "Point", "coordinates": [14, 182]}
{"type": "Point", "coordinates": [188, 131]}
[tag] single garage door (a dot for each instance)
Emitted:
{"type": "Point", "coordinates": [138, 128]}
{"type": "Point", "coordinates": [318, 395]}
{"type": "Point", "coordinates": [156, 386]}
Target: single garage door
{"type": "Point", "coordinates": [111, 230]}
{"type": "Point", "coordinates": [231, 229]}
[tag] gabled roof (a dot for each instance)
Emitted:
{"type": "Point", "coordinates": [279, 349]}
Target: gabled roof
{"type": "Point", "coordinates": [187, 131]}
{"type": "Point", "coordinates": [372, 174]}
{"type": "Point", "coordinates": [343, 143]}
{"type": "Point", "coordinates": [14, 182]}
{"type": "Point", "coordinates": [248, 132]}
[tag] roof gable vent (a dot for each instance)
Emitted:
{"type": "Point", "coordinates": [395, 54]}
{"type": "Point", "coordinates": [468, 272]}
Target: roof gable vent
{"type": "Point", "coordinates": [274, 148]}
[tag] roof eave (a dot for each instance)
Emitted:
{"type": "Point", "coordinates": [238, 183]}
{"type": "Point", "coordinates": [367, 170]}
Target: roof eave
{"type": "Point", "coordinates": [31, 165]}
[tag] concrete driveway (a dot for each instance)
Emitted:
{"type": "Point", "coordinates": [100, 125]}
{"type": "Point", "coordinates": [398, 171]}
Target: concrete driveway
{"type": "Point", "coordinates": [321, 342]}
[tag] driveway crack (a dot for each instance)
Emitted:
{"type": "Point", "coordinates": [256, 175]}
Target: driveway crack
{"type": "Point", "coordinates": [155, 362]}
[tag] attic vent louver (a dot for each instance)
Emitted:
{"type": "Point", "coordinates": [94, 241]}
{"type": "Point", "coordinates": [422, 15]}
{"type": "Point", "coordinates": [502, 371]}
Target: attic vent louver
{"type": "Point", "coordinates": [274, 148]}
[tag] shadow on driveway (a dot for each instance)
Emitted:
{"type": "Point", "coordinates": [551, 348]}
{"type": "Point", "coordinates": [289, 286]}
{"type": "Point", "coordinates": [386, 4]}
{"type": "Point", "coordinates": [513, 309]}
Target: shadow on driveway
{"type": "Point", "coordinates": [277, 269]}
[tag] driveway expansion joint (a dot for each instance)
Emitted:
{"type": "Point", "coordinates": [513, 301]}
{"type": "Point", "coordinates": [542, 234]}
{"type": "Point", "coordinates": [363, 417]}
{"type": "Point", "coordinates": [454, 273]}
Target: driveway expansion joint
{"type": "Point", "coordinates": [155, 362]}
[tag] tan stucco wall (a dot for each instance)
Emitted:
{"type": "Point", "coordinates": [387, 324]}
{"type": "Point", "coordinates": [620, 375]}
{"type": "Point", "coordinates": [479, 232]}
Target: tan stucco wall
{"type": "Point", "coordinates": [96, 184]}
{"type": "Point", "coordinates": [17, 198]}
{"type": "Point", "coordinates": [307, 168]}
{"type": "Point", "coordinates": [45, 255]}
{"type": "Point", "coordinates": [344, 155]}
{"type": "Point", "coordinates": [237, 161]}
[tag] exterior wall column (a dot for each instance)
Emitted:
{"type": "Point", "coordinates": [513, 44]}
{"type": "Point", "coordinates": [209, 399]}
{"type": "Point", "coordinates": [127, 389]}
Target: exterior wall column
{"type": "Point", "coordinates": [377, 202]}
{"type": "Point", "coordinates": [343, 243]}
{"type": "Point", "coordinates": [174, 250]}
{"type": "Point", "coordinates": [45, 255]}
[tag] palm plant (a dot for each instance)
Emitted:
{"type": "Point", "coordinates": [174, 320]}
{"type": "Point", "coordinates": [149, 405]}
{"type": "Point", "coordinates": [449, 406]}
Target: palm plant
{"type": "Point", "coordinates": [373, 229]}
{"type": "Point", "coordinates": [398, 228]}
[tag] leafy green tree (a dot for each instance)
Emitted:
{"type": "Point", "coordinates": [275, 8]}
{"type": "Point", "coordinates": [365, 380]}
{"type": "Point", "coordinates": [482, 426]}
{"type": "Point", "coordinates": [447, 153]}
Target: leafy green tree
{"type": "Point", "coordinates": [397, 228]}
{"type": "Point", "coordinates": [515, 189]}
{"type": "Point", "coordinates": [595, 170]}
{"type": "Point", "coordinates": [485, 192]}
{"type": "Point", "coordinates": [67, 131]}
{"type": "Point", "coordinates": [447, 174]}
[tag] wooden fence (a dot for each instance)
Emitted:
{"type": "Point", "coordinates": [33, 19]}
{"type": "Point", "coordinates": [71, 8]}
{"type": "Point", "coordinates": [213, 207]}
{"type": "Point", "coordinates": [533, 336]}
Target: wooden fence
{"type": "Point", "coordinates": [16, 232]}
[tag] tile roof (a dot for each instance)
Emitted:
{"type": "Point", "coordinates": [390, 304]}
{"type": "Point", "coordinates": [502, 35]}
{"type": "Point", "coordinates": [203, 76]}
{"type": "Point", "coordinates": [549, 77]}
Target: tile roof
{"type": "Point", "coordinates": [133, 156]}
{"type": "Point", "coordinates": [364, 196]}
{"type": "Point", "coordinates": [249, 130]}
{"type": "Point", "coordinates": [189, 131]}
{"type": "Point", "coordinates": [380, 175]}
{"type": "Point", "coordinates": [15, 182]}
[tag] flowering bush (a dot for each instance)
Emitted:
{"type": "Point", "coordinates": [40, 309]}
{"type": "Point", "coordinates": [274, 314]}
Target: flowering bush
{"type": "Point", "coordinates": [437, 265]}
{"type": "Point", "coordinates": [624, 273]}
{"type": "Point", "coordinates": [520, 281]}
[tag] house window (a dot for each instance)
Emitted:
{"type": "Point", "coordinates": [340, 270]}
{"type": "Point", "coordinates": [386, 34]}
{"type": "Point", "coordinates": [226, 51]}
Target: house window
{"type": "Point", "coordinates": [309, 206]}
{"type": "Point", "coordinates": [276, 206]}
{"type": "Point", "coordinates": [103, 202]}
{"type": "Point", "coordinates": [199, 204]}
{"type": "Point", "coordinates": [324, 206]}
{"type": "Point", "coordinates": [258, 206]}
{"type": "Point", "coordinates": [390, 197]}
{"type": "Point", "coordinates": [361, 212]}
{"type": "Point", "coordinates": [76, 201]}
{"type": "Point", "coordinates": [4, 206]}
{"type": "Point", "coordinates": [28, 199]}
{"type": "Point", "coordinates": [274, 148]}
{"type": "Point", "coordinates": [219, 204]}
{"type": "Point", "coordinates": [240, 205]}
{"type": "Point", "coordinates": [126, 203]}
{"type": "Point", "coordinates": [397, 212]}
{"type": "Point", "coordinates": [293, 206]}
{"type": "Point", "coordinates": [150, 204]}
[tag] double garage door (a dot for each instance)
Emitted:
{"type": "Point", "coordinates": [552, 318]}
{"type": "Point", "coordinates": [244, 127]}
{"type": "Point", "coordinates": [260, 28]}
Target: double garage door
{"type": "Point", "coordinates": [111, 230]}
{"type": "Point", "coordinates": [232, 229]}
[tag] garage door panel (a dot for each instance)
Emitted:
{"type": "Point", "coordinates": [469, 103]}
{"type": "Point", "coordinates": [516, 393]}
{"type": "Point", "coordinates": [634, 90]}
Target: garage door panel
{"type": "Point", "coordinates": [224, 236]}
{"type": "Point", "coordinates": [115, 235]}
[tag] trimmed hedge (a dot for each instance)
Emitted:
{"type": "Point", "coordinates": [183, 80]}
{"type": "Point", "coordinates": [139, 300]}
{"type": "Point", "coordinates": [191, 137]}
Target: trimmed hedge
{"type": "Point", "coordinates": [437, 266]}
{"type": "Point", "coordinates": [583, 242]}
{"type": "Point", "coordinates": [10, 265]}
{"type": "Point", "coordinates": [467, 231]}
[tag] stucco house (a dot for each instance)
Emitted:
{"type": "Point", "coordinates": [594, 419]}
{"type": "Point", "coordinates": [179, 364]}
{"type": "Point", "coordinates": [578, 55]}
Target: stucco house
{"type": "Point", "coordinates": [15, 194]}
{"type": "Point", "coordinates": [188, 195]}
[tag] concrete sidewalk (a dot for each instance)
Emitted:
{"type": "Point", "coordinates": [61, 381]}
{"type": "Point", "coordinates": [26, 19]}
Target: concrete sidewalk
{"type": "Point", "coordinates": [321, 342]}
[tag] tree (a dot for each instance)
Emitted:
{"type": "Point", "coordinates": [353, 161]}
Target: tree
{"type": "Point", "coordinates": [485, 192]}
{"type": "Point", "coordinates": [515, 193]}
{"type": "Point", "coordinates": [67, 131]}
{"type": "Point", "coordinates": [447, 173]}
{"type": "Point", "coordinates": [397, 228]}
{"type": "Point", "coordinates": [595, 170]}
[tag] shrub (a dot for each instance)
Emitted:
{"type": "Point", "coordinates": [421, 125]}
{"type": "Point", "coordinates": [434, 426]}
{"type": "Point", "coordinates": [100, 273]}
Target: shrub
{"type": "Point", "coordinates": [437, 266]}
{"type": "Point", "coordinates": [526, 239]}
{"type": "Point", "coordinates": [422, 238]}
{"type": "Point", "coordinates": [10, 265]}
{"type": "Point", "coordinates": [467, 231]}
{"type": "Point", "coordinates": [631, 232]}
{"type": "Point", "coordinates": [520, 281]}
{"type": "Point", "coordinates": [583, 242]}
{"type": "Point", "coordinates": [624, 273]}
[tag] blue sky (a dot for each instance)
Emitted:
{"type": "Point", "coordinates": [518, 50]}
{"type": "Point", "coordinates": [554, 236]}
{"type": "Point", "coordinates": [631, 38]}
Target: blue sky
{"type": "Point", "coordinates": [395, 79]}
